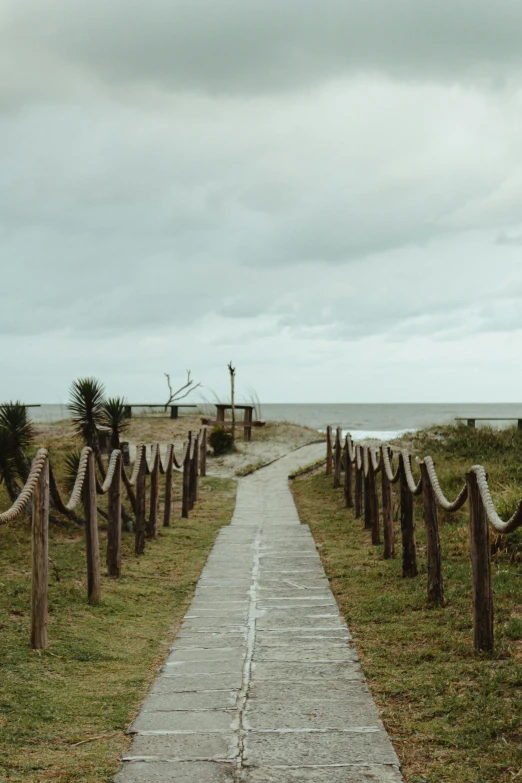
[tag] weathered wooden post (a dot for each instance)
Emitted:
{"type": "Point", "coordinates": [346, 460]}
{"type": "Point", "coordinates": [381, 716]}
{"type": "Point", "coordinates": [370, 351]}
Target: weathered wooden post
{"type": "Point", "coordinates": [328, 450]}
{"type": "Point", "coordinates": [409, 551]}
{"type": "Point", "coordinates": [203, 456]}
{"type": "Point", "coordinates": [374, 503]}
{"type": "Point", "coordinates": [366, 481]}
{"type": "Point", "coordinates": [124, 448]}
{"type": "Point", "coordinates": [347, 475]}
{"type": "Point", "coordinates": [337, 460]}
{"type": "Point", "coordinates": [91, 531]}
{"type": "Point", "coordinates": [139, 541]}
{"type": "Point", "coordinates": [168, 486]}
{"type": "Point", "coordinates": [185, 498]}
{"type": "Point", "coordinates": [480, 568]}
{"type": "Point", "coordinates": [152, 526]}
{"type": "Point", "coordinates": [358, 485]}
{"type": "Point", "coordinates": [387, 513]}
{"type": "Point", "coordinates": [114, 526]}
{"type": "Point", "coordinates": [433, 554]}
{"type": "Point", "coordinates": [194, 477]}
{"type": "Point", "coordinates": [40, 558]}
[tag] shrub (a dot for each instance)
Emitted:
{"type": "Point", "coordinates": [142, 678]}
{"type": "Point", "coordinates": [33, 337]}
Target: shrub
{"type": "Point", "coordinates": [221, 440]}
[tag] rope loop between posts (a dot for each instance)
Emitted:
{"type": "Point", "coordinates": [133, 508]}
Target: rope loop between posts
{"type": "Point", "coordinates": [42, 455]}
{"type": "Point", "coordinates": [111, 469]}
{"type": "Point", "coordinates": [499, 525]}
{"type": "Point", "coordinates": [414, 488]}
{"type": "Point", "coordinates": [387, 464]}
{"type": "Point", "coordinates": [440, 497]}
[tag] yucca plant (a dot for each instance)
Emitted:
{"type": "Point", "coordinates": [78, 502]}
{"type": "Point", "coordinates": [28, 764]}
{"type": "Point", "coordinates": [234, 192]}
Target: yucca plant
{"type": "Point", "coordinates": [9, 474]}
{"type": "Point", "coordinates": [113, 416]}
{"type": "Point", "coordinates": [18, 435]}
{"type": "Point", "coordinates": [86, 398]}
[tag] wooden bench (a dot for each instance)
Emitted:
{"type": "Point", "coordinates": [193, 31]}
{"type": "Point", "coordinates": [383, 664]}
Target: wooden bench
{"type": "Point", "coordinates": [174, 409]}
{"type": "Point", "coordinates": [471, 422]}
{"type": "Point", "coordinates": [247, 422]}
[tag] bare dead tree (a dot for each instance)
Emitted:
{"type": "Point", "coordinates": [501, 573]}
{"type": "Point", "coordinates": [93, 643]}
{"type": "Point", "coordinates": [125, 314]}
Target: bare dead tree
{"type": "Point", "coordinates": [187, 387]}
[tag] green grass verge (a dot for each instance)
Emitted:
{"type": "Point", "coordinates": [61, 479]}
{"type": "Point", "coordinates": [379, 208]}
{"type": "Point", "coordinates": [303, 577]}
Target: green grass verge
{"type": "Point", "coordinates": [64, 711]}
{"type": "Point", "coordinates": [453, 716]}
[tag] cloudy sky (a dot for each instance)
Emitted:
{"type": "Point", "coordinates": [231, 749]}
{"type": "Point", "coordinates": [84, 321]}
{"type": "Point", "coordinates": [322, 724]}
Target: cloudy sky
{"type": "Point", "coordinates": [327, 192]}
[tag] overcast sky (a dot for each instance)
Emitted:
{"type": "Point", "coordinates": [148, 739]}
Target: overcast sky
{"type": "Point", "coordinates": [327, 192]}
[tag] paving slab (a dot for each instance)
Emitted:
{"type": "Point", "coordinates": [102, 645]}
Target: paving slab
{"type": "Point", "coordinates": [263, 682]}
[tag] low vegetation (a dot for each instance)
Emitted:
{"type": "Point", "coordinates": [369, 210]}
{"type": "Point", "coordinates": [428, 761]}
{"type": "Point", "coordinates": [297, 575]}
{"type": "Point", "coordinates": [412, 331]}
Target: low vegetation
{"type": "Point", "coordinates": [64, 711]}
{"type": "Point", "coordinates": [453, 716]}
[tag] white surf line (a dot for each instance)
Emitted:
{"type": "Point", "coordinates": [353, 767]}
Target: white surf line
{"type": "Point", "coordinates": [247, 667]}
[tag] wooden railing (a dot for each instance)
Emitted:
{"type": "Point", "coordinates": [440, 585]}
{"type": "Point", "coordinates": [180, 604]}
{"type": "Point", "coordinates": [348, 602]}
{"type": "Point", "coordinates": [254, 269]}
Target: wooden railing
{"type": "Point", "coordinates": [361, 493]}
{"type": "Point", "coordinates": [87, 488]}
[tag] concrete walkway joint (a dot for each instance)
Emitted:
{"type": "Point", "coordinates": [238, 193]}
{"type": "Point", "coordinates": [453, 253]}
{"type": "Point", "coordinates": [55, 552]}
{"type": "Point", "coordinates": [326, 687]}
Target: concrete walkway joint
{"type": "Point", "coordinates": [263, 682]}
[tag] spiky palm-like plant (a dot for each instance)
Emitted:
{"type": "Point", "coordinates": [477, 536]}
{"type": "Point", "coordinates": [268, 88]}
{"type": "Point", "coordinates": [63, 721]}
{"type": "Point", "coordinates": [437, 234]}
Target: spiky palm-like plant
{"type": "Point", "coordinates": [9, 474]}
{"type": "Point", "coordinates": [19, 434]}
{"type": "Point", "coordinates": [113, 416]}
{"type": "Point", "coordinates": [86, 398]}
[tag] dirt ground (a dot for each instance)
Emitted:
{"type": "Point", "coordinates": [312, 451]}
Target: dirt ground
{"type": "Point", "coordinates": [268, 443]}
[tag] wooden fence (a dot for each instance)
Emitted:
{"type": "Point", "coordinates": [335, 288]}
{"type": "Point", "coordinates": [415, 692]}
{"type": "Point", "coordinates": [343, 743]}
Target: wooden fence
{"type": "Point", "coordinates": [362, 464]}
{"type": "Point", "coordinates": [87, 488]}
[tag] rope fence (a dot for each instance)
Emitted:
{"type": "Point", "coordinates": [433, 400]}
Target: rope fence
{"type": "Point", "coordinates": [36, 493]}
{"type": "Point", "coordinates": [367, 462]}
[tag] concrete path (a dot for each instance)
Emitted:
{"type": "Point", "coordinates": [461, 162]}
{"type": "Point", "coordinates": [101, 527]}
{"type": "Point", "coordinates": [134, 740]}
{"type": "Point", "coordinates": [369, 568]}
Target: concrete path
{"type": "Point", "coordinates": [262, 684]}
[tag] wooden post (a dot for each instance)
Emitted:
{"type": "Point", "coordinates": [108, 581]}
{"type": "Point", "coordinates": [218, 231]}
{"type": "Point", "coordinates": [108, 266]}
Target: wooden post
{"type": "Point", "coordinates": [358, 490]}
{"type": "Point", "coordinates": [185, 500]}
{"type": "Point", "coordinates": [124, 447]}
{"type": "Point", "coordinates": [387, 514]}
{"type": "Point", "coordinates": [480, 569]}
{"type": "Point", "coordinates": [328, 450]}
{"type": "Point", "coordinates": [247, 432]}
{"type": "Point", "coordinates": [409, 551]}
{"type": "Point", "coordinates": [203, 454]}
{"type": "Point", "coordinates": [152, 526]}
{"type": "Point", "coordinates": [347, 476]}
{"type": "Point", "coordinates": [168, 487]}
{"type": "Point", "coordinates": [173, 411]}
{"type": "Point", "coordinates": [431, 522]}
{"type": "Point", "coordinates": [194, 478]}
{"type": "Point", "coordinates": [139, 542]}
{"type": "Point", "coordinates": [91, 531]}
{"type": "Point", "coordinates": [374, 504]}
{"type": "Point", "coordinates": [114, 526]}
{"type": "Point", "coordinates": [367, 507]}
{"type": "Point", "coordinates": [40, 558]}
{"type": "Point", "coordinates": [337, 460]}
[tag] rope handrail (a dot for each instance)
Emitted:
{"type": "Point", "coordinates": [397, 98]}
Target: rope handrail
{"type": "Point", "coordinates": [441, 498]}
{"type": "Point", "coordinates": [414, 488]}
{"type": "Point", "coordinates": [508, 526]}
{"type": "Point", "coordinates": [27, 491]}
{"type": "Point", "coordinates": [388, 466]}
{"type": "Point", "coordinates": [111, 469]}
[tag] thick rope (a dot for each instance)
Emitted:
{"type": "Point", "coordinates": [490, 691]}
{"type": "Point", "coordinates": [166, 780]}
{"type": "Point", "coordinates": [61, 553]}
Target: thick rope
{"type": "Point", "coordinates": [388, 467]}
{"type": "Point", "coordinates": [513, 522]}
{"type": "Point", "coordinates": [110, 471]}
{"type": "Point", "coordinates": [414, 488]}
{"type": "Point", "coordinates": [27, 492]}
{"type": "Point", "coordinates": [440, 497]}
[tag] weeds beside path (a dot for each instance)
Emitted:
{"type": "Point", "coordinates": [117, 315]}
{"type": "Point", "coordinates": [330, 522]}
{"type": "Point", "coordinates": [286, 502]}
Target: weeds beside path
{"type": "Point", "coordinates": [453, 716]}
{"type": "Point", "coordinates": [64, 711]}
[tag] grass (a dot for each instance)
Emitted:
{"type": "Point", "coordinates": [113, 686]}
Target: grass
{"type": "Point", "coordinates": [453, 716]}
{"type": "Point", "coordinates": [250, 468]}
{"type": "Point", "coordinates": [64, 711]}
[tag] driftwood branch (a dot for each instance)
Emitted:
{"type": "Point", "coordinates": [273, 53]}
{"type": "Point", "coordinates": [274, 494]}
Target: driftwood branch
{"type": "Point", "coordinates": [187, 387]}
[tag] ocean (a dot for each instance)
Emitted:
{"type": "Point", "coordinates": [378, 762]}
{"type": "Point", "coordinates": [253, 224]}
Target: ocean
{"type": "Point", "coordinates": [363, 420]}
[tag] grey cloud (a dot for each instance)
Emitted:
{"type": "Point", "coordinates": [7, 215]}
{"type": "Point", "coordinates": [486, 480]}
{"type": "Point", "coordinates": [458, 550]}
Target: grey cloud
{"type": "Point", "coordinates": [249, 46]}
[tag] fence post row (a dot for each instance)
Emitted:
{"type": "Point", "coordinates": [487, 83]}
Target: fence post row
{"type": "Point", "coordinates": [203, 455]}
{"type": "Point", "coordinates": [358, 485]}
{"type": "Point", "coordinates": [114, 526]}
{"type": "Point", "coordinates": [194, 465]}
{"type": "Point", "coordinates": [91, 531]}
{"type": "Point", "coordinates": [40, 558]}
